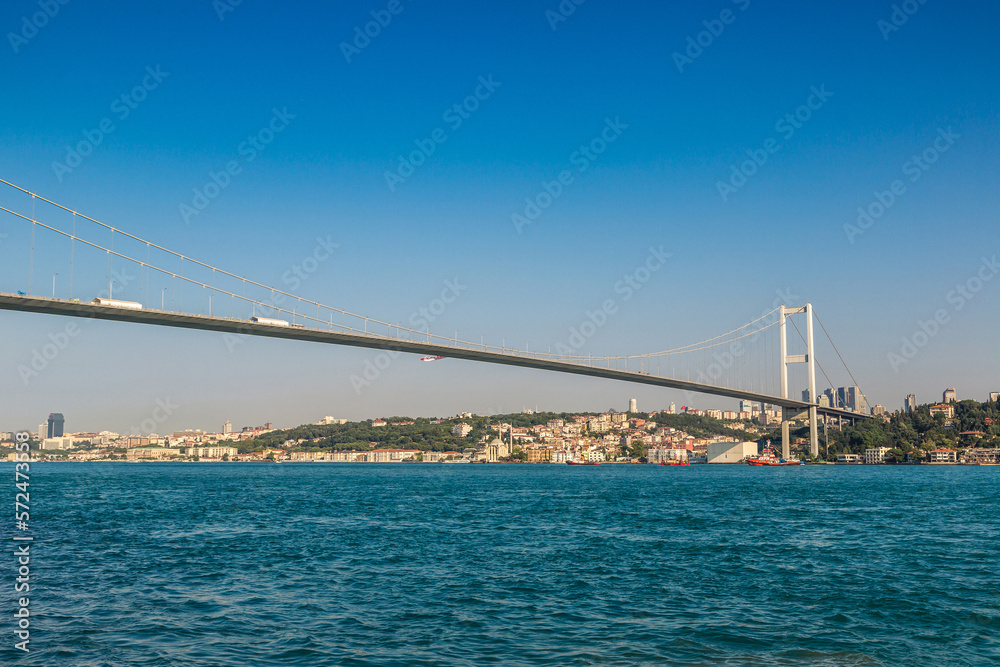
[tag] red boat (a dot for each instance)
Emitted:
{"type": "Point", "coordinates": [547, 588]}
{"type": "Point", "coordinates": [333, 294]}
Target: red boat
{"type": "Point", "coordinates": [771, 461]}
{"type": "Point", "coordinates": [674, 462]}
{"type": "Point", "coordinates": [767, 458]}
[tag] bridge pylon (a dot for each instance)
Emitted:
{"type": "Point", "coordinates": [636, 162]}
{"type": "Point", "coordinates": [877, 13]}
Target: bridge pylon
{"type": "Point", "coordinates": [808, 358]}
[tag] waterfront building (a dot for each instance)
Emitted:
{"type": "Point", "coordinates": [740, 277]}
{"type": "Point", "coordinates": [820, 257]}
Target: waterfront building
{"type": "Point", "coordinates": [214, 452]}
{"type": "Point", "coordinates": [949, 395]}
{"type": "Point", "coordinates": [151, 453]}
{"type": "Point", "coordinates": [539, 455]}
{"type": "Point", "coordinates": [730, 452]}
{"type": "Point", "coordinates": [942, 455]}
{"type": "Point", "coordinates": [848, 458]}
{"type": "Point", "coordinates": [876, 455]}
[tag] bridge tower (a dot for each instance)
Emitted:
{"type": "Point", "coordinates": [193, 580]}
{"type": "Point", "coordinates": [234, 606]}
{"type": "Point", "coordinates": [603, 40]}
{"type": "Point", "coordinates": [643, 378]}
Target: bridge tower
{"type": "Point", "coordinates": [808, 358]}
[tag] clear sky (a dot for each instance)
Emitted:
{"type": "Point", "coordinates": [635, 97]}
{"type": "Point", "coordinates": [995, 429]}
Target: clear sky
{"type": "Point", "coordinates": [684, 93]}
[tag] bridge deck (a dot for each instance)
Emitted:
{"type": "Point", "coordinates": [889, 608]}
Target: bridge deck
{"type": "Point", "coordinates": [525, 360]}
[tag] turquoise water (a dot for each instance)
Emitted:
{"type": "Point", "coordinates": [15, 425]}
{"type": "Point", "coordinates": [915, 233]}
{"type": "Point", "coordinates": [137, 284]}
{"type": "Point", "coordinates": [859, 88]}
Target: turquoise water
{"type": "Point", "coordinates": [423, 564]}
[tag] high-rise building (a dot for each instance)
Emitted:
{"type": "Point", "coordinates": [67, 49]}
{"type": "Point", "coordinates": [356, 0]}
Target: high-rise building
{"type": "Point", "coordinates": [824, 400]}
{"type": "Point", "coordinates": [994, 396]}
{"type": "Point", "coordinates": [227, 428]}
{"type": "Point", "coordinates": [911, 403]}
{"type": "Point", "coordinates": [672, 410]}
{"type": "Point", "coordinates": [746, 406]}
{"type": "Point", "coordinates": [56, 423]}
{"type": "Point", "coordinates": [831, 398]}
{"type": "Point", "coordinates": [949, 395]}
{"type": "Point", "coordinates": [878, 410]}
{"type": "Point", "coordinates": [633, 405]}
{"type": "Point", "coordinates": [851, 398]}
{"type": "Point", "coordinates": [43, 431]}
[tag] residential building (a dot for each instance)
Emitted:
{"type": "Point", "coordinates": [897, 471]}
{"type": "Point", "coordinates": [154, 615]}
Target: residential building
{"type": "Point", "coordinates": [379, 423]}
{"type": "Point", "coordinates": [215, 452]}
{"type": "Point", "coordinates": [911, 403]}
{"type": "Point", "coordinates": [948, 410]}
{"type": "Point", "coordinates": [151, 453]}
{"type": "Point", "coordinates": [949, 395]}
{"type": "Point", "coordinates": [942, 455]}
{"type": "Point", "coordinates": [848, 458]}
{"type": "Point", "coordinates": [539, 455]}
{"type": "Point", "coordinates": [391, 455]}
{"type": "Point", "coordinates": [461, 430]}
{"type": "Point", "coordinates": [746, 406]}
{"type": "Point", "coordinates": [878, 409]}
{"type": "Point", "coordinates": [994, 396]}
{"type": "Point", "coordinates": [227, 428]}
{"type": "Point", "coordinates": [876, 455]}
{"type": "Point", "coordinates": [672, 410]}
{"type": "Point", "coordinates": [714, 414]}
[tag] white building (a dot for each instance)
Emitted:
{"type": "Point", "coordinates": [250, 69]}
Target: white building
{"type": "Point", "coordinates": [633, 405]}
{"type": "Point", "coordinates": [876, 455]}
{"type": "Point", "coordinates": [227, 428]}
{"type": "Point", "coordinates": [216, 452]}
{"type": "Point", "coordinates": [461, 430]}
{"type": "Point", "coordinates": [730, 452]}
{"type": "Point", "coordinates": [65, 442]}
{"type": "Point", "coordinates": [848, 458]}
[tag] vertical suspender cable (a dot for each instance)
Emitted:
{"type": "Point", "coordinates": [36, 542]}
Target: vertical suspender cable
{"type": "Point", "coordinates": [31, 262]}
{"type": "Point", "coordinates": [72, 247]}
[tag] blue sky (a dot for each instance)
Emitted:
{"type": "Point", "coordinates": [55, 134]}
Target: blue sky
{"type": "Point", "coordinates": [887, 95]}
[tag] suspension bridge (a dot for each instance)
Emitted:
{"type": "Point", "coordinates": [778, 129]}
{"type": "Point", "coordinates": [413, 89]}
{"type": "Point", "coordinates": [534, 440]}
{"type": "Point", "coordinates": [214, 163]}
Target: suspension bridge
{"type": "Point", "coordinates": [757, 361]}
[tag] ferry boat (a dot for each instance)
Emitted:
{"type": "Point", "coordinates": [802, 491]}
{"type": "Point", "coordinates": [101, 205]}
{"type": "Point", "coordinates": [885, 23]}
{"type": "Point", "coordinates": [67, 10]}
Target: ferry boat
{"type": "Point", "coordinates": [583, 463]}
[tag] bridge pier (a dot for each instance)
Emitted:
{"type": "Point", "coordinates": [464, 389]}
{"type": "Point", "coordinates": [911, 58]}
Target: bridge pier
{"type": "Point", "coordinates": [785, 440]}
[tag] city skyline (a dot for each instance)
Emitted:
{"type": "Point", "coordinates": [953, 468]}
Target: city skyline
{"type": "Point", "coordinates": [332, 132]}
